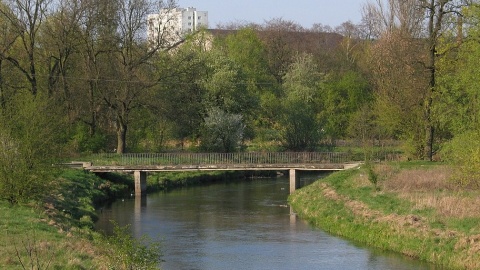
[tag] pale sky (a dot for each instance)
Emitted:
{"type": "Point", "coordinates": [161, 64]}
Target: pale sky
{"type": "Point", "coordinates": [303, 12]}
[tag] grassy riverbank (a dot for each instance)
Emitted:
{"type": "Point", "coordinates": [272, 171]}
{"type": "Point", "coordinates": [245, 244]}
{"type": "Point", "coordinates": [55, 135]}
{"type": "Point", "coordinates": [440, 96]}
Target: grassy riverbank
{"type": "Point", "coordinates": [413, 210]}
{"type": "Point", "coordinates": [57, 232]}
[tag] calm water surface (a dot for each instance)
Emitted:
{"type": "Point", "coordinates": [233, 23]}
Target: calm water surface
{"type": "Point", "coordinates": [241, 225]}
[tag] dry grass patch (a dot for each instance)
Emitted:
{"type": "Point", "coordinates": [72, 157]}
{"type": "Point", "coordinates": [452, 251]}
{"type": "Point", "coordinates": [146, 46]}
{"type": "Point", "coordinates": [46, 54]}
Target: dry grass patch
{"type": "Point", "coordinates": [432, 188]}
{"type": "Point", "coordinates": [416, 180]}
{"type": "Point", "coordinates": [447, 206]}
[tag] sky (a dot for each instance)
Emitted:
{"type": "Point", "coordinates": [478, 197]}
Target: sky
{"type": "Point", "coordinates": [303, 12]}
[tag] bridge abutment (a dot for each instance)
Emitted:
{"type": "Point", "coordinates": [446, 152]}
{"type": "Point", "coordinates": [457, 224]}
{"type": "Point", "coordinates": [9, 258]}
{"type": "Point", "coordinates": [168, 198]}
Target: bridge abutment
{"type": "Point", "coordinates": [140, 182]}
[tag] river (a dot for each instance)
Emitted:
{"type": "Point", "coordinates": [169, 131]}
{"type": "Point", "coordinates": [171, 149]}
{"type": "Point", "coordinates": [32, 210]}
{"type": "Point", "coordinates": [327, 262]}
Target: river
{"type": "Point", "coordinates": [241, 225]}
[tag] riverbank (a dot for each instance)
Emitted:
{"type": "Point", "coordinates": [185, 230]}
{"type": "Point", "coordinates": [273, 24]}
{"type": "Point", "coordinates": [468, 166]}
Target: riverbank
{"type": "Point", "coordinates": [413, 210]}
{"type": "Point", "coordinates": [58, 232]}
{"type": "Point", "coordinates": [54, 233]}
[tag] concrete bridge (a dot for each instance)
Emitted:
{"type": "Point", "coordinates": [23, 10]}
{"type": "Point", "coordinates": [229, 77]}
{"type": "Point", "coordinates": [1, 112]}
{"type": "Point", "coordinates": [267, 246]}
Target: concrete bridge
{"type": "Point", "coordinates": [141, 163]}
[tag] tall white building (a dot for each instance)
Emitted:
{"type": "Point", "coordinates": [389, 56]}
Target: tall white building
{"type": "Point", "coordinates": [171, 25]}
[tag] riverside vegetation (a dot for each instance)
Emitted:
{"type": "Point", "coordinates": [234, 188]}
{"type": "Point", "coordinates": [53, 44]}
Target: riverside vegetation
{"type": "Point", "coordinates": [79, 77]}
{"type": "Point", "coordinates": [414, 209]}
{"type": "Point", "coordinates": [57, 233]}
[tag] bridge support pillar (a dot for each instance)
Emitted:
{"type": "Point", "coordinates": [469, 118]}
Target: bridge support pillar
{"type": "Point", "coordinates": [294, 183]}
{"type": "Point", "coordinates": [140, 182]}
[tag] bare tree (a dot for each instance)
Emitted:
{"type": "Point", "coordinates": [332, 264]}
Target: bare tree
{"type": "Point", "coordinates": [381, 16]}
{"type": "Point", "coordinates": [7, 41]}
{"type": "Point", "coordinates": [26, 18]}
{"type": "Point", "coordinates": [320, 28]}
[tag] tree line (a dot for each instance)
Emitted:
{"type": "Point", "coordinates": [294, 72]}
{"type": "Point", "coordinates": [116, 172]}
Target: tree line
{"type": "Point", "coordinates": [81, 77]}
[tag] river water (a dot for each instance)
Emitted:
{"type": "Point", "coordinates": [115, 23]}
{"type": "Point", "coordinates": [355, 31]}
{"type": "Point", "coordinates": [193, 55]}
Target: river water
{"type": "Point", "coordinates": [241, 225]}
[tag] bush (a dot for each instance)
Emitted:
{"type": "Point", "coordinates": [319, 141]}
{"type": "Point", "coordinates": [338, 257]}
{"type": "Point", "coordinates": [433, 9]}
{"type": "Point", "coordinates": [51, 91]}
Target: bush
{"type": "Point", "coordinates": [463, 152]}
{"type": "Point", "coordinates": [127, 252]}
{"type": "Point", "coordinates": [30, 141]}
{"type": "Point", "coordinates": [223, 132]}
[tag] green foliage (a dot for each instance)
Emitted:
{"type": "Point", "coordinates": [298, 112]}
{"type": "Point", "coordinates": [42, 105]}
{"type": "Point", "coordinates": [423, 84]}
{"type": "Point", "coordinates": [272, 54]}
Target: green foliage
{"type": "Point", "coordinates": [245, 48]}
{"type": "Point", "coordinates": [463, 151]}
{"type": "Point", "coordinates": [300, 125]}
{"type": "Point", "coordinates": [458, 105]}
{"type": "Point", "coordinates": [225, 85]}
{"type": "Point", "coordinates": [223, 132]}
{"type": "Point", "coordinates": [127, 252]}
{"type": "Point", "coordinates": [30, 141]}
{"type": "Point", "coordinates": [176, 108]}
{"type": "Point", "coordinates": [345, 95]}
{"type": "Point", "coordinates": [90, 143]}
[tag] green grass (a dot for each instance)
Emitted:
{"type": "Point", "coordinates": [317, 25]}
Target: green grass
{"type": "Point", "coordinates": [468, 225]}
{"type": "Point", "coordinates": [347, 206]}
{"type": "Point", "coordinates": [24, 229]}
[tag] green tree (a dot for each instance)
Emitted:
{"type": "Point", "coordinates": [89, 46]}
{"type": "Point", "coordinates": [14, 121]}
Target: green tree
{"type": "Point", "coordinates": [178, 98]}
{"type": "Point", "coordinates": [223, 132]}
{"type": "Point", "coordinates": [129, 76]}
{"type": "Point", "coordinates": [225, 85]}
{"type": "Point", "coordinates": [300, 123]}
{"type": "Point", "coordinates": [8, 72]}
{"type": "Point", "coordinates": [248, 51]}
{"type": "Point", "coordinates": [96, 42]}
{"type": "Point", "coordinates": [458, 106]}
{"type": "Point", "coordinates": [344, 95]}
{"type": "Point", "coordinates": [458, 101]}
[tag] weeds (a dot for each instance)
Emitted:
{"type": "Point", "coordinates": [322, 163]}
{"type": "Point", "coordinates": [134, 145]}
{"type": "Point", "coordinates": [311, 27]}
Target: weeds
{"type": "Point", "coordinates": [127, 252]}
{"type": "Point", "coordinates": [34, 255]}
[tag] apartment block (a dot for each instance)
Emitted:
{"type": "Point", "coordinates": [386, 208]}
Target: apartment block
{"type": "Point", "coordinates": [169, 26]}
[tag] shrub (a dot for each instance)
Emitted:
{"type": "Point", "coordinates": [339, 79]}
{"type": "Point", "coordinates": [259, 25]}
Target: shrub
{"type": "Point", "coordinates": [463, 152]}
{"type": "Point", "coordinates": [127, 252]}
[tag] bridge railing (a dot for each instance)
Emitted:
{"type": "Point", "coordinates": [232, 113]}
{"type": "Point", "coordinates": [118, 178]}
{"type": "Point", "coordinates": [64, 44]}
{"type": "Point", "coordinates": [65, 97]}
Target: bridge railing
{"type": "Point", "coordinates": [127, 159]}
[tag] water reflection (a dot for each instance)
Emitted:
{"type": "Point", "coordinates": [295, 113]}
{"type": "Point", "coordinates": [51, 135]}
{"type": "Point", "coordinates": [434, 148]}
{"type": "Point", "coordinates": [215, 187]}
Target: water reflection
{"type": "Point", "coordinates": [241, 225]}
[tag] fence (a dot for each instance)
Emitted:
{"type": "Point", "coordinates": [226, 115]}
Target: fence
{"type": "Point", "coordinates": [112, 159]}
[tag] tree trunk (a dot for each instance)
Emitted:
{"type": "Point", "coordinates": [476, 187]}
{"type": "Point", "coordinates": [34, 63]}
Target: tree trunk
{"type": "Point", "coordinates": [428, 147]}
{"type": "Point", "coordinates": [121, 137]}
{"type": "Point", "coordinates": [434, 27]}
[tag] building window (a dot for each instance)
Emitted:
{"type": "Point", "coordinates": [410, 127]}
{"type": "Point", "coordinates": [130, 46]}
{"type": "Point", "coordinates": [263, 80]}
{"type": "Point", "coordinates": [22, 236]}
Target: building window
{"type": "Point", "coordinates": [199, 17]}
{"type": "Point", "coordinates": [189, 23]}
{"type": "Point", "coordinates": [189, 17]}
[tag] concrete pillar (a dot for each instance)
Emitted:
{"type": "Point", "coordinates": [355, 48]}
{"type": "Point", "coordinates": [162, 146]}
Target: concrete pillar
{"type": "Point", "coordinates": [140, 182]}
{"type": "Point", "coordinates": [293, 180]}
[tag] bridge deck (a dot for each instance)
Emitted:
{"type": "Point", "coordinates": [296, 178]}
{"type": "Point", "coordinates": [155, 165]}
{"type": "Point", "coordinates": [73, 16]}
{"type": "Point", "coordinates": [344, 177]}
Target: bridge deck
{"type": "Point", "coordinates": [217, 167]}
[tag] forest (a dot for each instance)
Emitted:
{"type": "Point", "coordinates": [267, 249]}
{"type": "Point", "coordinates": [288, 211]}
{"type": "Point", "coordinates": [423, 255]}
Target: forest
{"type": "Point", "coordinates": [79, 77]}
